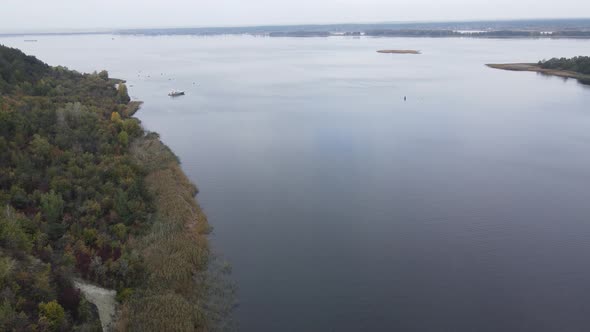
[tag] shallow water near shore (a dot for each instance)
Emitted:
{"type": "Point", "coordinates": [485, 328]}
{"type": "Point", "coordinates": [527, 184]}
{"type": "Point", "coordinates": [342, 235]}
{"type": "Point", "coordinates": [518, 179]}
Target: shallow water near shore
{"type": "Point", "coordinates": [343, 208]}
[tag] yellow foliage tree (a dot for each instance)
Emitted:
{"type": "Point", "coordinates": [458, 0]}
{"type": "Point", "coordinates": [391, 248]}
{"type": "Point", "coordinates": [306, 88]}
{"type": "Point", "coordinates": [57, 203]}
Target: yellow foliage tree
{"type": "Point", "coordinates": [53, 313]}
{"type": "Point", "coordinates": [116, 117]}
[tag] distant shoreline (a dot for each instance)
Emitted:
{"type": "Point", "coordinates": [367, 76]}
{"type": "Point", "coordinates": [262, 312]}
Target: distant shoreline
{"type": "Point", "coordinates": [532, 67]}
{"type": "Point", "coordinates": [527, 28]}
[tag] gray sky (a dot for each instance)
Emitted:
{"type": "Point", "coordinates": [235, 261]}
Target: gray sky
{"type": "Point", "coordinates": [27, 15]}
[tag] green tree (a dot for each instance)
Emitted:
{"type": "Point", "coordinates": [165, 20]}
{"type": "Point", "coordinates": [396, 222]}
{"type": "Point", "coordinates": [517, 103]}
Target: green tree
{"type": "Point", "coordinates": [123, 138]}
{"type": "Point", "coordinates": [122, 94]}
{"type": "Point", "coordinates": [52, 206]}
{"type": "Point", "coordinates": [40, 148]}
{"type": "Point", "coordinates": [6, 267]}
{"type": "Point", "coordinates": [12, 234]}
{"type": "Point", "coordinates": [121, 206]}
{"type": "Point", "coordinates": [120, 230]}
{"type": "Point", "coordinates": [18, 197]}
{"type": "Point", "coordinates": [104, 75]}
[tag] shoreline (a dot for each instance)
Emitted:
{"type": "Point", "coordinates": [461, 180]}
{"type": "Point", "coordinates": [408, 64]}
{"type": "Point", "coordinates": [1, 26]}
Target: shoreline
{"type": "Point", "coordinates": [175, 248]}
{"type": "Point", "coordinates": [532, 67]}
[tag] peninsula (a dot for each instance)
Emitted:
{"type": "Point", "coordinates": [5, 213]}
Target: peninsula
{"type": "Point", "coordinates": [576, 68]}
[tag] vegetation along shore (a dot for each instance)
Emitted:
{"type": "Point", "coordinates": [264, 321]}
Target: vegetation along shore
{"type": "Point", "coordinates": [576, 67]}
{"type": "Point", "coordinates": [87, 196]}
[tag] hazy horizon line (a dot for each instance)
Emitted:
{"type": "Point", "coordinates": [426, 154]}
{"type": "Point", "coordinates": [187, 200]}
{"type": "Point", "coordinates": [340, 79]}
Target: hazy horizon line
{"type": "Point", "coordinates": [99, 30]}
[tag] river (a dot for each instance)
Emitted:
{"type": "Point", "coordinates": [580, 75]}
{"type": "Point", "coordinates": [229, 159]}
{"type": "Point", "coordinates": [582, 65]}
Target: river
{"type": "Point", "coordinates": [342, 207]}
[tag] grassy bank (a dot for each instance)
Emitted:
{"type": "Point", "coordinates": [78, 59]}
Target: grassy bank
{"type": "Point", "coordinates": [182, 290]}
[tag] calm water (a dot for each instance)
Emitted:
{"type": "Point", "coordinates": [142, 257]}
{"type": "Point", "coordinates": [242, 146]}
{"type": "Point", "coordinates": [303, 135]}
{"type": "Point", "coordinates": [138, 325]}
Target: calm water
{"type": "Point", "coordinates": [344, 208]}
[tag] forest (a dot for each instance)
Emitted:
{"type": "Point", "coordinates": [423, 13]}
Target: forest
{"type": "Point", "coordinates": [75, 203]}
{"type": "Point", "coordinates": [578, 64]}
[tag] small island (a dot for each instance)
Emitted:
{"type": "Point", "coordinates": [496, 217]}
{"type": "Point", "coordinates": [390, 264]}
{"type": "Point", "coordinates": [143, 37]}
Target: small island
{"type": "Point", "coordinates": [399, 52]}
{"type": "Point", "coordinates": [576, 67]}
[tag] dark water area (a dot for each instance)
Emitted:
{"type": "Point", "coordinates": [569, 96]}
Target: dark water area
{"type": "Point", "coordinates": [343, 208]}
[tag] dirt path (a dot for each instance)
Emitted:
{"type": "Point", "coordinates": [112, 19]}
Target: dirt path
{"type": "Point", "coordinates": [103, 299]}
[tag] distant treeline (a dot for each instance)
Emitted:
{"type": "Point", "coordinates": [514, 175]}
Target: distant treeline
{"type": "Point", "coordinates": [412, 33]}
{"type": "Point", "coordinates": [484, 34]}
{"type": "Point", "coordinates": [437, 33]}
{"type": "Point", "coordinates": [569, 26]}
{"type": "Point", "coordinates": [579, 64]}
{"type": "Point", "coordinates": [300, 34]}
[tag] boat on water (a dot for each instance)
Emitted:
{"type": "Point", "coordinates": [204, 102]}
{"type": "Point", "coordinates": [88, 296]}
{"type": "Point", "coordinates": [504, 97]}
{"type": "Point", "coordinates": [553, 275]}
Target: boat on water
{"type": "Point", "coordinates": [176, 93]}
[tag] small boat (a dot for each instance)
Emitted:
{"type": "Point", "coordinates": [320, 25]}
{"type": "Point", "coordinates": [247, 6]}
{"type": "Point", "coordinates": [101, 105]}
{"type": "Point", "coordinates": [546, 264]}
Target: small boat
{"type": "Point", "coordinates": [175, 93]}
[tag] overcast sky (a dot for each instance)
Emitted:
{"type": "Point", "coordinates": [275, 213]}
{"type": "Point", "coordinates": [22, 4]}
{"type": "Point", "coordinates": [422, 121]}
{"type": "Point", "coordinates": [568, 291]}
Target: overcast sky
{"type": "Point", "coordinates": [27, 15]}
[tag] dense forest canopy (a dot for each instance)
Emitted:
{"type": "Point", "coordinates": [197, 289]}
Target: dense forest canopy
{"type": "Point", "coordinates": [578, 64]}
{"type": "Point", "coordinates": [17, 68]}
{"type": "Point", "coordinates": [86, 193]}
{"type": "Point", "coordinates": [70, 195]}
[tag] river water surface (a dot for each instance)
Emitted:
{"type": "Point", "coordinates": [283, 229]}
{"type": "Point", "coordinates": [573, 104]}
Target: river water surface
{"type": "Point", "coordinates": [343, 208]}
